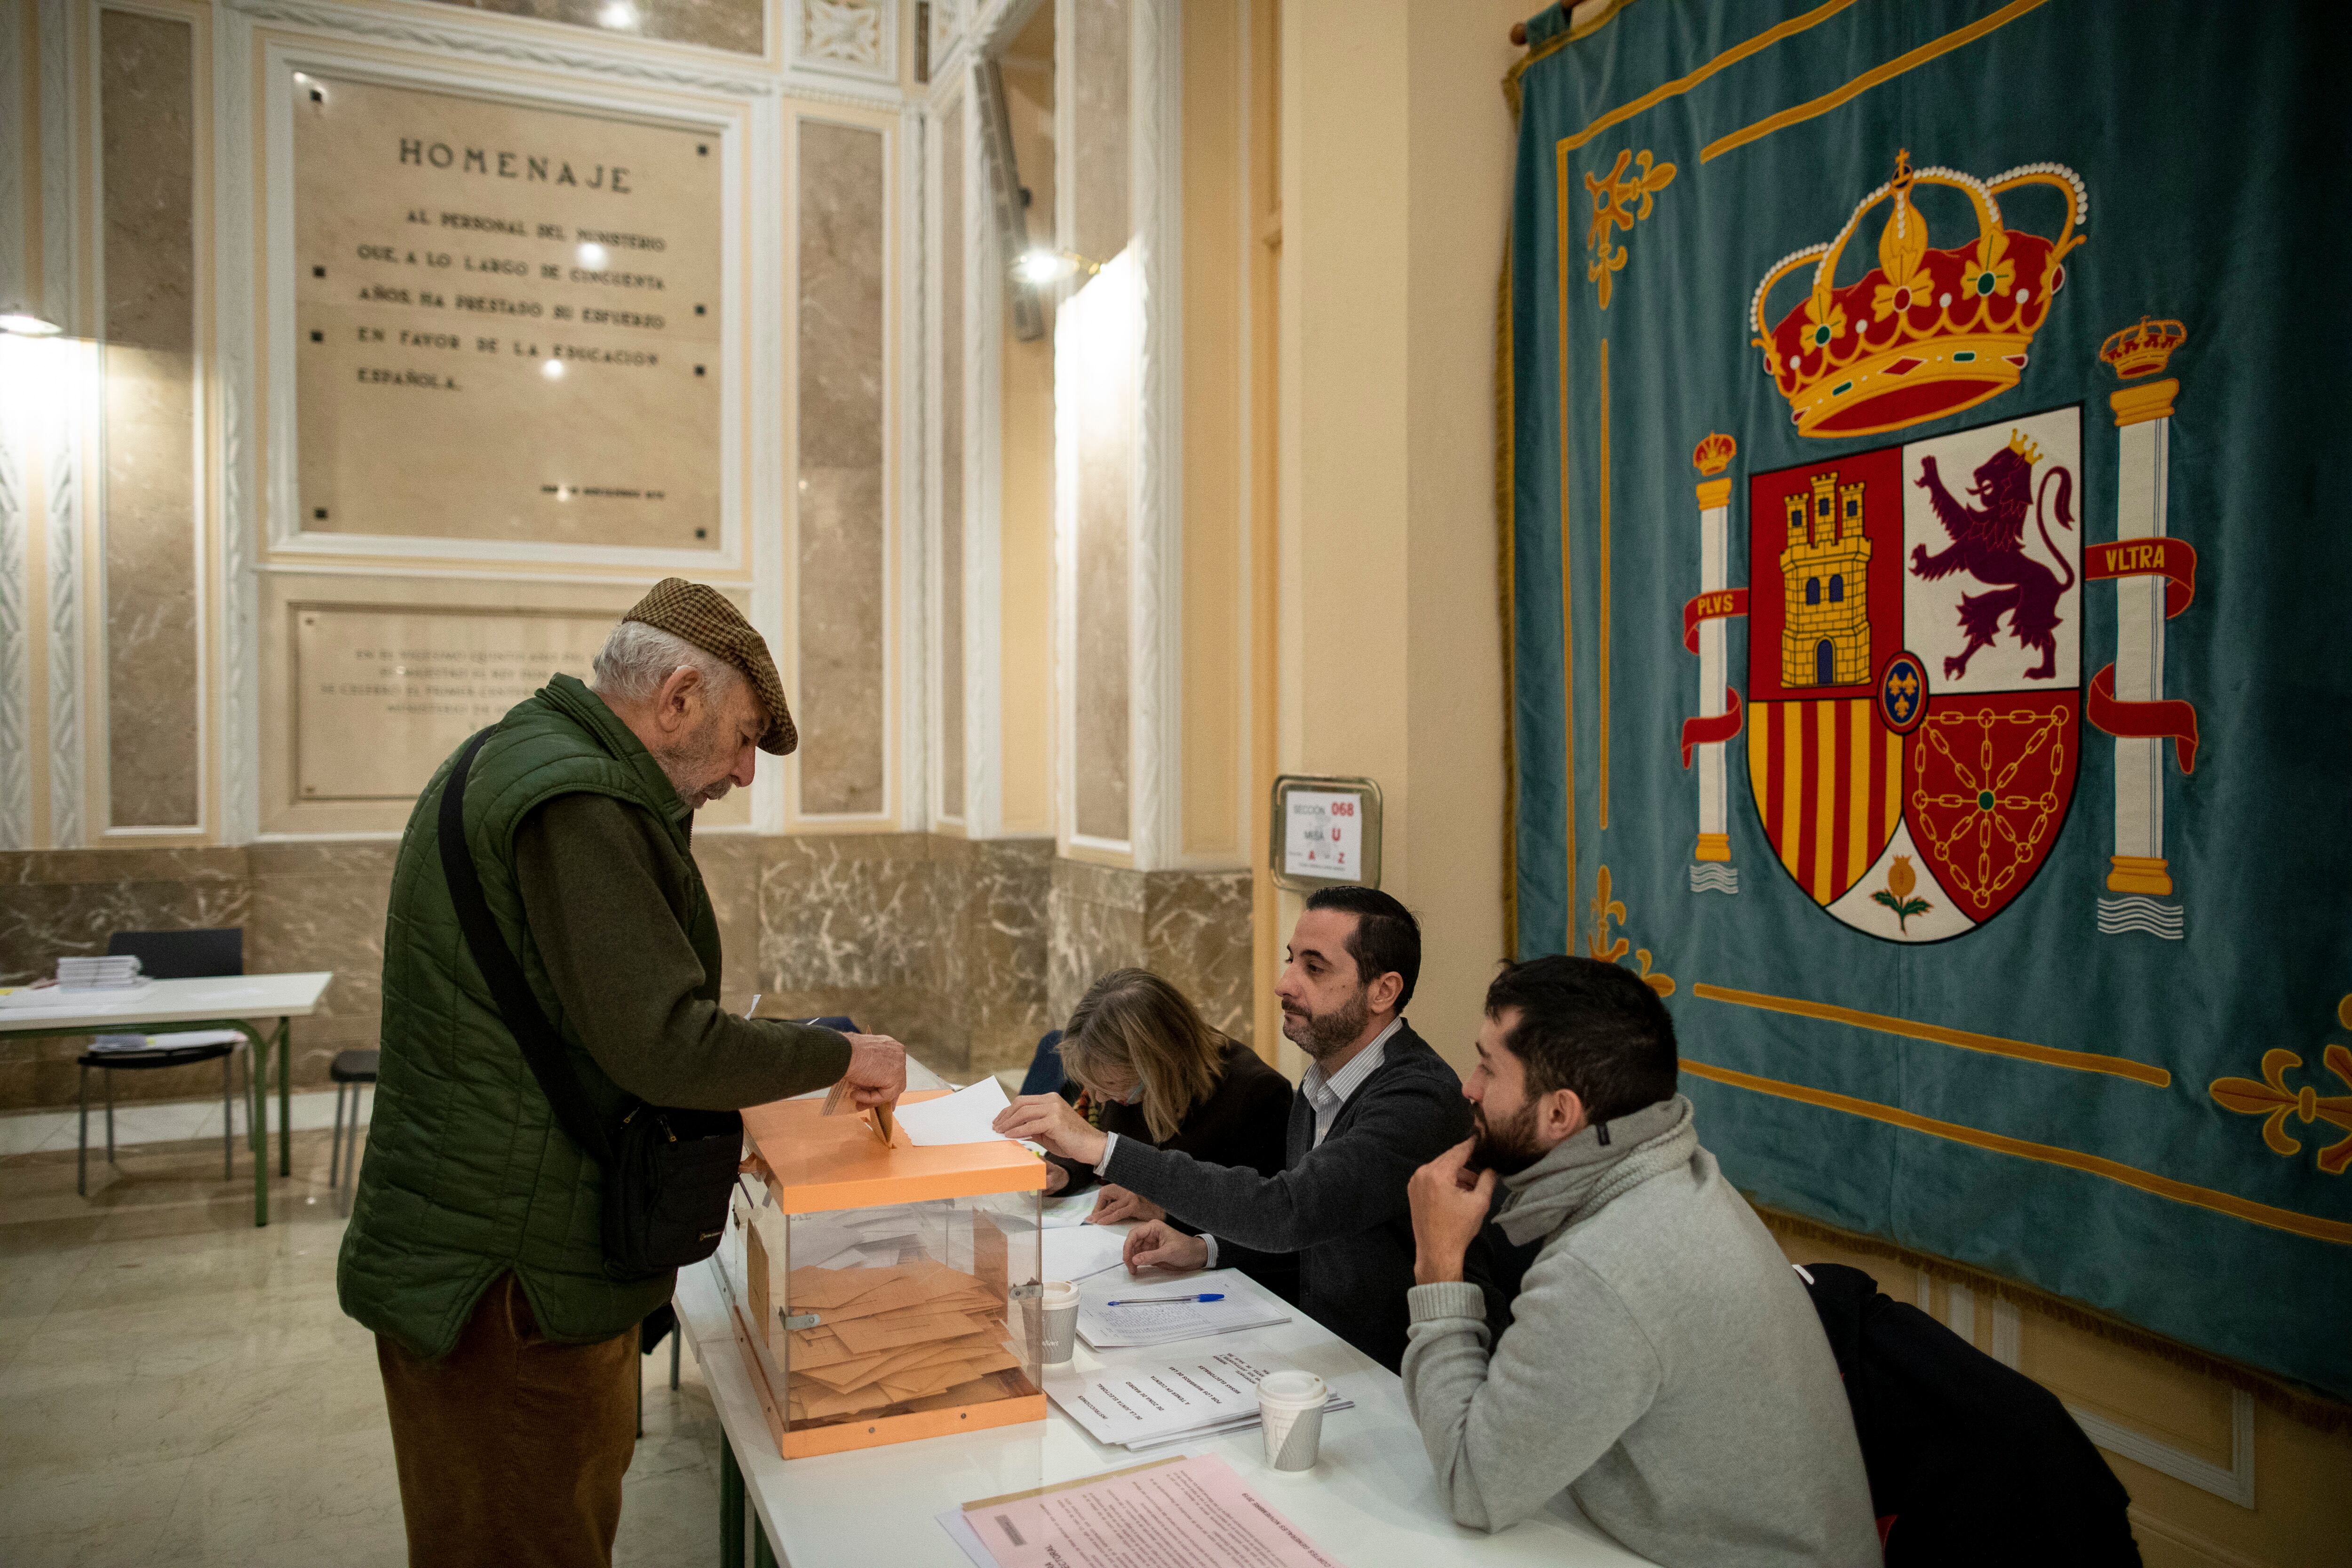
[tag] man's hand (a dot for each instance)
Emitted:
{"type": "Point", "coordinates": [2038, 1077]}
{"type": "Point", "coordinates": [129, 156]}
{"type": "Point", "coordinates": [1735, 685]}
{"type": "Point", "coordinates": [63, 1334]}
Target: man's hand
{"type": "Point", "coordinates": [1048, 1118]}
{"type": "Point", "coordinates": [877, 1070]}
{"type": "Point", "coordinates": [1057, 1178]}
{"type": "Point", "coordinates": [1156, 1244]}
{"type": "Point", "coordinates": [1115, 1203]}
{"type": "Point", "coordinates": [1449, 1209]}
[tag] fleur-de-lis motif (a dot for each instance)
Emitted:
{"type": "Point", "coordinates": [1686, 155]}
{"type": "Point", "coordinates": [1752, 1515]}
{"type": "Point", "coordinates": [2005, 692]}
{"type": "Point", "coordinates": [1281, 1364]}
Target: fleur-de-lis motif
{"type": "Point", "coordinates": [2273, 1101]}
{"type": "Point", "coordinates": [1605, 909]}
{"type": "Point", "coordinates": [1614, 208]}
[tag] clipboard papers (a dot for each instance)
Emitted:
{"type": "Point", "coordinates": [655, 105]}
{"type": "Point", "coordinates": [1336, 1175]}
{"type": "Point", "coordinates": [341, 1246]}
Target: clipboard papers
{"type": "Point", "coordinates": [1176, 1513]}
{"type": "Point", "coordinates": [1106, 1326]}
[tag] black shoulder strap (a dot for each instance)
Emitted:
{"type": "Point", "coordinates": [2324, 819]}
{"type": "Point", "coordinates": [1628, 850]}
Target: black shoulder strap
{"type": "Point", "coordinates": [542, 1049]}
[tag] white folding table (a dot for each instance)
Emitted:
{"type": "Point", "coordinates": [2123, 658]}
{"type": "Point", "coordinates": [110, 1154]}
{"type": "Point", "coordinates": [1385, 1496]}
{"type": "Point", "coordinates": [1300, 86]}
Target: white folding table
{"type": "Point", "coordinates": [214, 1002]}
{"type": "Point", "coordinates": [1371, 1501]}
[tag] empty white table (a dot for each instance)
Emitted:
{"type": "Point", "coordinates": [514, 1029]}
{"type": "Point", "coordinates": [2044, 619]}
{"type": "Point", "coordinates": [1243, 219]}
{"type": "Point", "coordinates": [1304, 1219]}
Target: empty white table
{"type": "Point", "coordinates": [1372, 1501]}
{"type": "Point", "coordinates": [216, 1002]}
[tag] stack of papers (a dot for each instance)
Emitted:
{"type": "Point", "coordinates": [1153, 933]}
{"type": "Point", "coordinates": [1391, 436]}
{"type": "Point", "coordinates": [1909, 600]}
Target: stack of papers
{"type": "Point", "coordinates": [1151, 1312]}
{"type": "Point", "coordinates": [921, 1336]}
{"type": "Point", "coordinates": [1079, 1252]}
{"type": "Point", "coordinates": [1191, 1512]}
{"type": "Point", "coordinates": [111, 973]}
{"type": "Point", "coordinates": [1140, 1401]}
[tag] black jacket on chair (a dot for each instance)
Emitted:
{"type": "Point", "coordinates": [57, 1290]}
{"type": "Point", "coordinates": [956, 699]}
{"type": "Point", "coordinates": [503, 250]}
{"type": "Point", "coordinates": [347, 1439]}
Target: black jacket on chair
{"type": "Point", "coordinates": [1242, 1123]}
{"type": "Point", "coordinates": [1969, 1461]}
{"type": "Point", "coordinates": [1339, 1208]}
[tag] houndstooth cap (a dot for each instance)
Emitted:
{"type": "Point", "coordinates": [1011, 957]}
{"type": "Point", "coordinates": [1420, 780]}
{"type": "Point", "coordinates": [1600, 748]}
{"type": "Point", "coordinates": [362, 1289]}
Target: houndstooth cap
{"type": "Point", "coordinates": [703, 617]}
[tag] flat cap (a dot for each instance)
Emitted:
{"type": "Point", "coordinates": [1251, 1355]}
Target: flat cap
{"type": "Point", "coordinates": [702, 615]}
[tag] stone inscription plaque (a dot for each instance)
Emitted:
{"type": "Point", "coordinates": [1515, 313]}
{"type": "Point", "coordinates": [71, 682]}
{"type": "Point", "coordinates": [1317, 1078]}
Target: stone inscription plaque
{"type": "Point", "coordinates": [382, 696]}
{"type": "Point", "coordinates": [507, 320]}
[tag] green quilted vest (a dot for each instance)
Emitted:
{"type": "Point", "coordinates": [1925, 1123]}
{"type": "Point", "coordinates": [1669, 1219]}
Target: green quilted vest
{"type": "Point", "coordinates": [468, 1175]}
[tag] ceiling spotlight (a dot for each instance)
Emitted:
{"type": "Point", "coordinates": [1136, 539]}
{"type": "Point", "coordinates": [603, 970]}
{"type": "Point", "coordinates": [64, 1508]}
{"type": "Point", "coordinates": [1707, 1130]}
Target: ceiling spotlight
{"type": "Point", "coordinates": [619, 14]}
{"type": "Point", "coordinates": [552, 369]}
{"type": "Point", "coordinates": [27, 324]}
{"type": "Point", "coordinates": [1042, 266]}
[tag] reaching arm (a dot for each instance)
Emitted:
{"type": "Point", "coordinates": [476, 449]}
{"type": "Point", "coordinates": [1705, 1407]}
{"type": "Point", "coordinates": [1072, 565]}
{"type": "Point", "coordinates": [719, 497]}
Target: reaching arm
{"type": "Point", "coordinates": [626, 976]}
{"type": "Point", "coordinates": [1353, 1182]}
{"type": "Point", "coordinates": [1506, 1430]}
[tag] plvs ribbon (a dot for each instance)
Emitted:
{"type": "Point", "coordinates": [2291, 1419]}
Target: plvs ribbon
{"type": "Point", "coordinates": [2170, 720]}
{"type": "Point", "coordinates": [1699, 732]}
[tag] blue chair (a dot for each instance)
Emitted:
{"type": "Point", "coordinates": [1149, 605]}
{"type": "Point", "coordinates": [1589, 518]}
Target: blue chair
{"type": "Point", "coordinates": [1045, 1075]}
{"type": "Point", "coordinates": [166, 955]}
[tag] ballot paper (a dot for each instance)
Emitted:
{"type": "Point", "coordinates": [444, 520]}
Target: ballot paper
{"type": "Point", "coordinates": [1183, 1512]}
{"type": "Point", "coordinates": [1160, 1319]}
{"type": "Point", "coordinates": [1080, 1251]}
{"type": "Point", "coordinates": [963, 1117]}
{"type": "Point", "coordinates": [1063, 1212]}
{"type": "Point", "coordinates": [1143, 1399]}
{"type": "Point", "coordinates": [902, 1337]}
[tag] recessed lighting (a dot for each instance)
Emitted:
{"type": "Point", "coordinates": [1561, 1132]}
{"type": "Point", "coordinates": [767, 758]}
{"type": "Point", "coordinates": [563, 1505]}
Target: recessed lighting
{"type": "Point", "coordinates": [24, 323]}
{"type": "Point", "coordinates": [552, 369]}
{"type": "Point", "coordinates": [593, 256]}
{"type": "Point", "coordinates": [619, 14]}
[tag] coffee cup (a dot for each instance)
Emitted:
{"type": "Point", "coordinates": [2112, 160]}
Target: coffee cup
{"type": "Point", "coordinates": [1057, 1309]}
{"type": "Point", "coordinates": [1290, 1411]}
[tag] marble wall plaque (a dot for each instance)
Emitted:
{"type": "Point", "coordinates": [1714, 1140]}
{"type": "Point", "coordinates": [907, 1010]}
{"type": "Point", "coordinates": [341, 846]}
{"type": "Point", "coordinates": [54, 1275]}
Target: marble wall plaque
{"type": "Point", "coordinates": [507, 320]}
{"type": "Point", "coordinates": [737, 26]}
{"type": "Point", "coordinates": [383, 695]}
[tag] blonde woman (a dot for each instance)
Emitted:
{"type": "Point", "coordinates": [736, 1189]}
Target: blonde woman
{"type": "Point", "coordinates": [1143, 1063]}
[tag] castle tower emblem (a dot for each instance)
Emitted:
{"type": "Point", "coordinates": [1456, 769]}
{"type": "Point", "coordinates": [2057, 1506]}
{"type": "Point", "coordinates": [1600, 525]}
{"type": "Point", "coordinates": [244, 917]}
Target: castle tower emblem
{"type": "Point", "coordinates": [1825, 583]}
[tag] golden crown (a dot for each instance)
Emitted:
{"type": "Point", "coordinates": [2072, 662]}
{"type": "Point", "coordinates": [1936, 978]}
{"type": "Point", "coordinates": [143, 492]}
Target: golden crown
{"type": "Point", "coordinates": [1926, 332]}
{"type": "Point", "coordinates": [2142, 350]}
{"type": "Point", "coordinates": [2022, 444]}
{"type": "Point", "coordinates": [1714, 454]}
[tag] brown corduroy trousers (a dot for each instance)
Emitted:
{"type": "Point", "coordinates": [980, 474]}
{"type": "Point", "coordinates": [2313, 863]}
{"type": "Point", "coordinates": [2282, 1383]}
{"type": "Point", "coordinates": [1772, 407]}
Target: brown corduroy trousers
{"type": "Point", "coordinates": [511, 1449]}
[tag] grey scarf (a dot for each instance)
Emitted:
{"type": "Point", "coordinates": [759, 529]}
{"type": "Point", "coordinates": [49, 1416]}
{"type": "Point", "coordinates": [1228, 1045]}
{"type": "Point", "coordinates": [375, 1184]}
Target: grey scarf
{"type": "Point", "coordinates": [1583, 1173]}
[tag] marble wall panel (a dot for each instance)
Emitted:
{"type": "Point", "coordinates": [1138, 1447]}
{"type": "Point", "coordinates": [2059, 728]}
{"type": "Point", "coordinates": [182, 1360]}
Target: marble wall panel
{"type": "Point", "coordinates": [56, 902]}
{"type": "Point", "coordinates": [846, 911]}
{"type": "Point", "coordinates": [731, 875]}
{"type": "Point", "coordinates": [951, 508]}
{"type": "Point", "coordinates": [322, 906]}
{"type": "Point", "coordinates": [147, 135]}
{"type": "Point", "coordinates": [1192, 928]}
{"type": "Point", "coordinates": [1102, 218]}
{"type": "Point", "coordinates": [991, 952]}
{"type": "Point", "coordinates": [839, 498]}
{"type": "Point", "coordinates": [732, 24]}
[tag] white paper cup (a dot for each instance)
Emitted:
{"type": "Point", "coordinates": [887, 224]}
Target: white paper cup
{"type": "Point", "coordinates": [1057, 1309]}
{"type": "Point", "coordinates": [1290, 1406]}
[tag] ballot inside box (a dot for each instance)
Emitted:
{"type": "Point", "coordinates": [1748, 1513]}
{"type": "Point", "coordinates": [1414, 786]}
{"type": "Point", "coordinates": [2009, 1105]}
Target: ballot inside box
{"type": "Point", "coordinates": [884, 1293]}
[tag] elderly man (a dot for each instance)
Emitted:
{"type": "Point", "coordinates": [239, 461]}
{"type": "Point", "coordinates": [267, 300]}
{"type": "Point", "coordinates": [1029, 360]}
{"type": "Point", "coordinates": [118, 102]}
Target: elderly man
{"type": "Point", "coordinates": [1661, 1362]}
{"type": "Point", "coordinates": [507, 1340]}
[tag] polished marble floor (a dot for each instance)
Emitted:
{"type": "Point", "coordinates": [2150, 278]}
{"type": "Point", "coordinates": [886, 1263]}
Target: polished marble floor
{"type": "Point", "coordinates": [179, 1387]}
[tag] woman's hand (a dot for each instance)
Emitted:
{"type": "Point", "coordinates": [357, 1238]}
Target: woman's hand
{"type": "Point", "coordinates": [1115, 1203]}
{"type": "Point", "coordinates": [1048, 1118]}
{"type": "Point", "coordinates": [1057, 1178]}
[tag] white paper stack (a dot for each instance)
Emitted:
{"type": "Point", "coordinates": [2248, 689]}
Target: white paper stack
{"type": "Point", "coordinates": [1157, 1312]}
{"type": "Point", "coordinates": [1139, 1400]}
{"type": "Point", "coordinates": [114, 972]}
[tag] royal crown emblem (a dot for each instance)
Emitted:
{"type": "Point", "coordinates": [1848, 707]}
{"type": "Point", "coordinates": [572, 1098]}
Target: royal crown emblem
{"type": "Point", "coordinates": [2142, 350]}
{"type": "Point", "coordinates": [1926, 332]}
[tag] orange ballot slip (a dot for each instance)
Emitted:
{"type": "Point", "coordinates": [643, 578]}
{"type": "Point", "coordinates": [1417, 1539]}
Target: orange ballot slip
{"type": "Point", "coordinates": [1177, 1513]}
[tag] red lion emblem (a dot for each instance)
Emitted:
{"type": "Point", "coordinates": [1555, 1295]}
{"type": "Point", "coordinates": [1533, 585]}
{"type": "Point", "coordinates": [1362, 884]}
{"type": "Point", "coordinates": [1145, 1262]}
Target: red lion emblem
{"type": "Point", "coordinates": [1987, 543]}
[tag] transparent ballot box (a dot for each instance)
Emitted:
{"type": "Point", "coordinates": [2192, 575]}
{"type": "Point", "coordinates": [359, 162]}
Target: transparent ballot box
{"type": "Point", "coordinates": [883, 1292]}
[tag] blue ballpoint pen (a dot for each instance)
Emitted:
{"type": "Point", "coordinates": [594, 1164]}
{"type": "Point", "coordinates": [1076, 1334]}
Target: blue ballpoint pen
{"type": "Point", "coordinates": [1165, 1301]}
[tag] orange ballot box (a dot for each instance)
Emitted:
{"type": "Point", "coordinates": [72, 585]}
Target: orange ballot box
{"type": "Point", "coordinates": [884, 1292]}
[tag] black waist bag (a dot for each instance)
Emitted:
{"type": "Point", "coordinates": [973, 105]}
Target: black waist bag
{"type": "Point", "coordinates": [668, 1172]}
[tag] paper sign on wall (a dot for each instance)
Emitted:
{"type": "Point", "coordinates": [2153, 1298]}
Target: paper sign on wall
{"type": "Point", "coordinates": [1323, 835]}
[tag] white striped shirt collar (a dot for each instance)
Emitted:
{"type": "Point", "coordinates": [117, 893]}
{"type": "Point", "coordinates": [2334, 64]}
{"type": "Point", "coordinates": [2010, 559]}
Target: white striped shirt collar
{"type": "Point", "coordinates": [1328, 1094]}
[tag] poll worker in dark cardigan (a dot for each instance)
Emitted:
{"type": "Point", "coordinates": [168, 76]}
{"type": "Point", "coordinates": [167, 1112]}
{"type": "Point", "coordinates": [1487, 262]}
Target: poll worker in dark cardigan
{"type": "Point", "coordinates": [1375, 1106]}
{"type": "Point", "coordinates": [1144, 1064]}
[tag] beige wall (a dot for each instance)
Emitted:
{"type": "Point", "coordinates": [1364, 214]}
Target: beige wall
{"type": "Point", "coordinates": [1396, 157]}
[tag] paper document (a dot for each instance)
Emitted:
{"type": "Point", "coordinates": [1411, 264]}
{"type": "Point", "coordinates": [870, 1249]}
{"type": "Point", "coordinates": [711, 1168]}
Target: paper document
{"type": "Point", "coordinates": [1079, 1251]}
{"type": "Point", "coordinates": [1140, 1400]}
{"type": "Point", "coordinates": [962, 1117]}
{"type": "Point", "coordinates": [1071, 1210]}
{"type": "Point", "coordinates": [1175, 1513]}
{"type": "Point", "coordinates": [1161, 1322]}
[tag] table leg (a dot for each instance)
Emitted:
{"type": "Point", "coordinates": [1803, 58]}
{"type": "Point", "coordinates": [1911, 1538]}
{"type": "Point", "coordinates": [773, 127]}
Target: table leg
{"type": "Point", "coordinates": [731, 1506]}
{"type": "Point", "coordinates": [285, 1099]}
{"type": "Point", "coordinates": [257, 1115]}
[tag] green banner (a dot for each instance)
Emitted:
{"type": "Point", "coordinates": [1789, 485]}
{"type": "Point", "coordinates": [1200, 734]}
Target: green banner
{"type": "Point", "coordinates": [1925, 572]}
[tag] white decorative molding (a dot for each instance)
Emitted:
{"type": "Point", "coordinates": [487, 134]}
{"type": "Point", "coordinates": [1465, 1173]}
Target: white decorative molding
{"type": "Point", "coordinates": [72, 357]}
{"type": "Point", "coordinates": [983, 466]}
{"type": "Point", "coordinates": [15, 636]}
{"type": "Point", "coordinates": [238, 648]}
{"type": "Point", "coordinates": [844, 37]}
{"type": "Point", "coordinates": [2235, 1483]}
{"type": "Point", "coordinates": [951, 103]}
{"type": "Point", "coordinates": [914, 692]}
{"type": "Point", "coordinates": [947, 35]}
{"type": "Point", "coordinates": [763, 321]}
{"type": "Point", "coordinates": [1156, 549]}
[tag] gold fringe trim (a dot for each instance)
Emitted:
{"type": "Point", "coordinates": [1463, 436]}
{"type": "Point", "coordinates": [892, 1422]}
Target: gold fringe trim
{"type": "Point", "coordinates": [1506, 569]}
{"type": "Point", "coordinates": [2289, 1398]}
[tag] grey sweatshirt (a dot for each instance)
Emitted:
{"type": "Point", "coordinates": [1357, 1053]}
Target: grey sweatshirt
{"type": "Point", "coordinates": [1663, 1364]}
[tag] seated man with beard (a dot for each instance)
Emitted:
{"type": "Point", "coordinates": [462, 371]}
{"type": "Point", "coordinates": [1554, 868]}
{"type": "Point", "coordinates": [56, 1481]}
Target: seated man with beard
{"type": "Point", "coordinates": [1662, 1362]}
{"type": "Point", "coordinates": [1376, 1103]}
